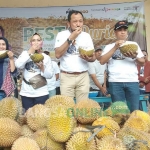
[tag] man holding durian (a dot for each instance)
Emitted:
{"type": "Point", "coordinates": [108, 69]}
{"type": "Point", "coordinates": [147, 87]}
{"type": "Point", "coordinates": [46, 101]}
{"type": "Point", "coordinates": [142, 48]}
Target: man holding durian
{"type": "Point", "coordinates": [123, 57]}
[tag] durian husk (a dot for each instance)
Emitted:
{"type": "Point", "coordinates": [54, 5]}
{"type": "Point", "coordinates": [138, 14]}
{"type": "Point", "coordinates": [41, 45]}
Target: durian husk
{"type": "Point", "coordinates": [143, 115]}
{"type": "Point", "coordinates": [86, 111]}
{"type": "Point", "coordinates": [26, 131]}
{"type": "Point", "coordinates": [137, 134]}
{"type": "Point", "coordinates": [111, 127]}
{"type": "Point", "coordinates": [138, 123]}
{"type": "Point", "coordinates": [10, 130]}
{"type": "Point", "coordinates": [37, 57]}
{"type": "Point", "coordinates": [78, 140]}
{"type": "Point", "coordinates": [128, 47]}
{"type": "Point", "coordinates": [61, 123]}
{"type": "Point", "coordinates": [3, 54]}
{"type": "Point", "coordinates": [86, 52]}
{"type": "Point", "coordinates": [37, 116]}
{"type": "Point", "coordinates": [118, 107]}
{"type": "Point", "coordinates": [60, 100]}
{"type": "Point", "coordinates": [24, 143]}
{"type": "Point", "coordinates": [10, 107]}
{"type": "Point", "coordinates": [133, 144]}
{"type": "Point", "coordinates": [110, 143]}
{"type": "Point", "coordinates": [44, 141]}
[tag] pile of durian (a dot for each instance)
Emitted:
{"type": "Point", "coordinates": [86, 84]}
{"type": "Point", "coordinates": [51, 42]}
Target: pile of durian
{"type": "Point", "coordinates": [60, 124]}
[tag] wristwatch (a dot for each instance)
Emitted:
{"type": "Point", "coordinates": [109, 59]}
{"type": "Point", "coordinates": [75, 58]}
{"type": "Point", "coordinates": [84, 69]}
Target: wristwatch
{"type": "Point", "coordinates": [69, 41]}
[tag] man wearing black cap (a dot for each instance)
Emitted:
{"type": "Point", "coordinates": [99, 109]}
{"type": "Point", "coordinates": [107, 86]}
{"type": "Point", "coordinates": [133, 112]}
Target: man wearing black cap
{"type": "Point", "coordinates": [97, 74]}
{"type": "Point", "coordinates": [123, 74]}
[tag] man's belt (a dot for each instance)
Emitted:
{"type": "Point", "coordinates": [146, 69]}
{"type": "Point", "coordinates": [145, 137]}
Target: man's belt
{"type": "Point", "coordinates": [75, 73]}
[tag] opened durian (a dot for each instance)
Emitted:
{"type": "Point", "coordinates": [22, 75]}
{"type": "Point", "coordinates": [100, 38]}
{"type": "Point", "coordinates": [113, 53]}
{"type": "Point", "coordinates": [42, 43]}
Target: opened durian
{"type": "Point", "coordinates": [3, 54]}
{"type": "Point", "coordinates": [86, 51]}
{"type": "Point", "coordinates": [37, 57]}
{"type": "Point", "coordinates": [110, 126]}
{"type": "Point", "coordinates": [128, 46]}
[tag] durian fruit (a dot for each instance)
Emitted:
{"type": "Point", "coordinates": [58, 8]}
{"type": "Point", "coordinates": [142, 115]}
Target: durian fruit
{"type": "Point", "coordinates": [117, 107]}
{"type": "Point", "coordinates": [137, 123]}
{"type": "Point", "coordinates": [86, 51]}
{"type": "Point", "coordinates": [60, 100]}
{"type": "Point", "coordinates": [86, 111]}
{"type": "Point", "coordinates": [37, 116]}
{"type": "Point", "coordinates": [10, 107]}
{"type": "Point", "coordinates": [10, 130]}
{"type": "Point", "coordinates": [110, 143]}
{"type": "Point", "coordinates": [128, 46]}
{"type": "Point", "coordinates": [3, 54]}
{"type": "Point", "coordinates": [137, 134]}
{"type": "Point", "coordinates": [110, 126]}
{"type": "Point", "coordinates": [132, 144]}
{"type": "Point", "coordinates": [44, 141]}
{"type": "Point", "coordinates": [24, 143]}
{"type": "Point", "coordinates": [121, 119]}
{"type": "Point", "coordinates": [26, 131]}
{"type": "Point", "coordinates": [143, 115]}
{"type": "Point", "coordinates": [78, 140]}
{"type": "Point", "coordinates": [60, 123]}
{"type": "Point", "coordinates": [37, 57]}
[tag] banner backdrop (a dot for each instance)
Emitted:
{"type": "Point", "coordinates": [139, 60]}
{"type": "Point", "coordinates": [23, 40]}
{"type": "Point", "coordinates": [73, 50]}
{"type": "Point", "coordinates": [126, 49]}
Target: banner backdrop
{"type": "Point", "coordinates": [20, 23]}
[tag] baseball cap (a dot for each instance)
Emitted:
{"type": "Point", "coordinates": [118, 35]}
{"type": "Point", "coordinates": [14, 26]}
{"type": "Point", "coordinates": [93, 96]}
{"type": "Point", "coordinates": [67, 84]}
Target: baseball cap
{"type": "Point", "coordinates": [120, 24]}
{"type": "Point", "coordinates": [97, 48]}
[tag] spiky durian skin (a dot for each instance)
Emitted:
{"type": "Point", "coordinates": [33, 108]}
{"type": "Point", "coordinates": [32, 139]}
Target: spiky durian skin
{"type": "Point", "coordinates": [143, 115]}
{"type": "Point", "coordinates": [10, 107]}
{"type": "Point", "coordinates": [86, 52]}
{"type": "Point", "coordinates": [44, 141]}
{"type": "Point", "coordinates": [139, 135]}
{"type": "Point", "coordinates": [10, 130]}
{"type": "Point", "coordinates": [78, 140]}
{"type": "Point", "coordinates": [24, 143]}
{"type": "Point", "coordinates": [111, 127]}
{"type": "Point", "coordinates": [86, 111]}
{"type": "Point", "coordinates": [37, 116]}
{"type": "Point", "coordinates": [117, 107]}
{"type": "Point", "coordinates": [110, 143]}
{"type": "Point", "coordinates": [60, 124]}
{"type": "Point", "coordinates": [3, 54]}
{"type": "Point", "coordinates": [26, 131]}
{"type": "Point", "coordinates": [128, 47]}
{"type": "Point", "coordinates": [37, 57]}
{"type": "Point", "coordinates": [137, 123]}
{"type": "Point", "coordinates": [60, 100]}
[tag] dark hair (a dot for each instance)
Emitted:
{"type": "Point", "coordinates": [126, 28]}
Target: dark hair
{"type": "Point", "coordinates": [2, 30]}
{"type": "Point", "coordinates": [46, 52]}
{"type": "Point", "coordinates": [74, 12]}
{"type": "Point", "coordinates": [6, 42]}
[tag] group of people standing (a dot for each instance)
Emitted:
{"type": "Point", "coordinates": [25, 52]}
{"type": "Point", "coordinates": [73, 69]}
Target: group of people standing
{"type": "Point", "coordinates": [75, 69]}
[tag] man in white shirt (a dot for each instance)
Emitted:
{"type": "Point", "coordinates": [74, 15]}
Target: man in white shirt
{"type": "Point", "coordinates": [123, 73]}
{"type": "Point", "coordinates": [97, 74]}
{"type": "Point", "coordinates": [74, 78]}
